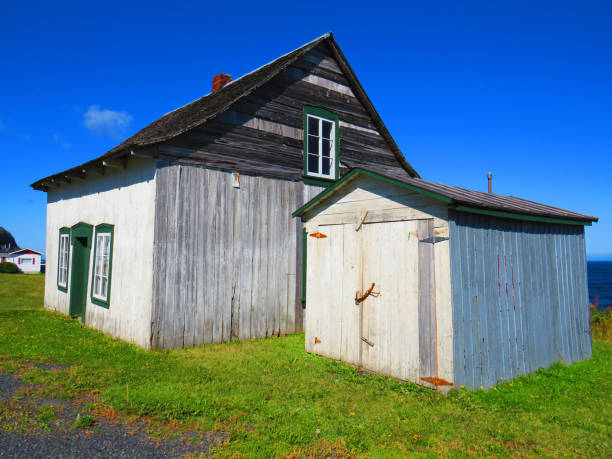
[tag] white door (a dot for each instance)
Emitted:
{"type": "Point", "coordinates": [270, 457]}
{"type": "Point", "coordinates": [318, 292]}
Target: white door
{"type": "Point", "coordinates": [390, 316]}
{"type": "Point", "coordinates": [380, 333]}
{"type": "Point", "coordinates": [333, 277]}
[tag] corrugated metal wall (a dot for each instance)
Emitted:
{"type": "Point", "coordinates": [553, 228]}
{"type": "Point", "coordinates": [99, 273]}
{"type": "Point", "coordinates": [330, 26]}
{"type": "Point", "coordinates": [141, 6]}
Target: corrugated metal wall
{"type": "Point", "coordinates": [520, 299]}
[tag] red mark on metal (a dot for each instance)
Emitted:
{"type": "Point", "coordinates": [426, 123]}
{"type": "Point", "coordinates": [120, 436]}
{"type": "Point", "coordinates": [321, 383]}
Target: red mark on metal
{"type": "Point", "coordinates": [506, 271]}
{"type": "Point", "coordinates": [318, 235]}
{"type": "Point", "coordinates": [437, 381]}
{"type": "Point", "coordinates": [317, 340]}
{"type": "Point", "coordinates": [498, 283]}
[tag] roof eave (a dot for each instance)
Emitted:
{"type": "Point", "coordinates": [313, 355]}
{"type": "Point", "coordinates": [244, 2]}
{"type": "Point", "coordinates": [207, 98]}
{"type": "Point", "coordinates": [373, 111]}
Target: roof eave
{"type": "Point", "coordinates": [453, 203]}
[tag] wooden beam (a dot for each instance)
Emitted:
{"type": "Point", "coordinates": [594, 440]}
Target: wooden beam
{"type": "Point", "coordinates": [49, 184]}
{"type": "Point", "coordinates": [118, 163]}
{"type": "Point", "coordinates": [146, 152]}
{"type": "Point", "coordinates": [95, 168]}
{"type": "Point", "coordinates": [56, 181]}
{"type": "Point", "coordinates": [75, 175]}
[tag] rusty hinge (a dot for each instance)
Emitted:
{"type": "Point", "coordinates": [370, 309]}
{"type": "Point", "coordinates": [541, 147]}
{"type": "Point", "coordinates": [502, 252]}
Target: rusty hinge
{"type": "Point", "coordinates": [367, 341]}
{"type": "Point", "coordinates": [436, 381]}
{"type": "Point", "coordinates": [361, 298]}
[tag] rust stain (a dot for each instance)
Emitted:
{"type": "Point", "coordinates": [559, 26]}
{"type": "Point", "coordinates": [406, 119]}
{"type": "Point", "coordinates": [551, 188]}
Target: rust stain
{"type": "Point", "coordinates": [318, 235]}
{"type": "Point", "coordinates": [437, 381]}
{"type": "Point", "coordinates": [317, 340]}
{"type": "Point", "coordinates": [359, 299]}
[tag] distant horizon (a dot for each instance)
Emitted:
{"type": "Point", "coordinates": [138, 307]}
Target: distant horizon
{"type": "Point", "coordinates": [599, 257]}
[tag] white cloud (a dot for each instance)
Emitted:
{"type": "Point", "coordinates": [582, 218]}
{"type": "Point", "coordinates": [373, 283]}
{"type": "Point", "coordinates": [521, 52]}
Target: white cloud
{"type": "Point", "coordinates": [61, 141]}
{"type": "Point", "coordinates": [109, 123]}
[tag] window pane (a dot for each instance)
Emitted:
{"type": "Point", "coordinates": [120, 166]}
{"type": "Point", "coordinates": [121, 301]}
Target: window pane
{"type": "Point", "coordinates": [97, 285]}
{"type": "Point", "coordinates": [313, 126]}
{"type": "Point", "coordinates": [326, 146]}
{"type": "Point", "coordinates": [326, 163]}
{"type": "Point", "coordinates": [107, 244]}
{"type": "Point", "coordinates": [327, 129]}
{"type": "Point", "coordinates": [105, 266]}
{"type": "Point", "coordinates": [104, 287]}
{"type": "Point", "coordinates": [98, 265]}
{"type": "Point", "coordinates": [313, 164]}
{"type": "Point", "coordinates": [313, 145]}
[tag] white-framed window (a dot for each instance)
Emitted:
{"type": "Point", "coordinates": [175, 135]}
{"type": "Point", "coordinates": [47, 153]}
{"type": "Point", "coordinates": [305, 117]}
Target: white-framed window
{"type": "Point", "coordinates": [62, 262]}
{"type": "Point", "coordinates": [101, 278]}
{"type": "Point", "coordinates": [320, 147]}
{"type": "Point", "coordinates": [27, 261]}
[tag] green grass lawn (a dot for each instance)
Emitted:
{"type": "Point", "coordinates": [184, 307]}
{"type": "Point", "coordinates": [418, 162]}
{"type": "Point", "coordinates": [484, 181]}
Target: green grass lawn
{"type": "Point", "coordinates": [276, 400]}
{"type": "Point", "coordinates": [21, 291]}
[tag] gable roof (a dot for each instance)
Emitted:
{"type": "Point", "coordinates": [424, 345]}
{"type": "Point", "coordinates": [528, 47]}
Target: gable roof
{"type": "Point", "coordinates": [12, 253]}
{"type": "Point", "coordinates": [460, 198]}
{"type": "Point", "coordinates": [209, 106]}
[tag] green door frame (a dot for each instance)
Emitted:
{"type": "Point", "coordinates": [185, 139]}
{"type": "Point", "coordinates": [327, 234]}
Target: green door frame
{"type": "Point", "coordinates": [81, 239]}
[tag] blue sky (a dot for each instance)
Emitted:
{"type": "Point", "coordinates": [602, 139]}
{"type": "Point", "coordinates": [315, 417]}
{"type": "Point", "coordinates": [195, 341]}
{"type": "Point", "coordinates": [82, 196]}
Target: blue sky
{"type": "Point", "coordinates": [522, 89]}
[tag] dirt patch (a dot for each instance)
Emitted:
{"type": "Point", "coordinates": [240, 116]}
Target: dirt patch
{"type": "Point", "coordinates": [51, 427]}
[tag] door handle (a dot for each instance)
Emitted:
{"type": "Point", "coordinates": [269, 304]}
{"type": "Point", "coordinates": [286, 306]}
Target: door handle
{"type": "Point", "coordinates": [361, 298]}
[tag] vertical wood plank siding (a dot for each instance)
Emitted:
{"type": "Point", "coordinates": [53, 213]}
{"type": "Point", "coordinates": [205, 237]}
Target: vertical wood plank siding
{"type": "Point", "coordinates": [227, 260]}
{"type": "Point", "coordinates": [519, 294]}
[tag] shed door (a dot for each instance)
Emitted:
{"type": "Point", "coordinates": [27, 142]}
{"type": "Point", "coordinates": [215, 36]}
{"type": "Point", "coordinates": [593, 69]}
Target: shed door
{"type": "Point", "coordinates": [389, 320]}
{"type": "Point", "coordinates": [333, 277]}
{"type": "Point", "coordinates": [392, 331]}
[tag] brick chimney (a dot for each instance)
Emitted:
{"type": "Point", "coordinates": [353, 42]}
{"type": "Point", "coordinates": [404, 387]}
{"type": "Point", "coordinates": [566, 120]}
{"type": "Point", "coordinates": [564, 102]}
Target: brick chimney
{"type": "Point", "coordinates": [220, 80]}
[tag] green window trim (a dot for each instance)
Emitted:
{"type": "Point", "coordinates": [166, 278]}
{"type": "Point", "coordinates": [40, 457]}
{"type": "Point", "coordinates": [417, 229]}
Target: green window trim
{"type": "Point", "coordinates": [322, 113]}
{"type": "Point", "coordinates": [304, 265]}
{"type": "Point", "coordinates": [63, 232]}
{"type": "Point", "coordinates": [101, 229]}
{"type": "Point", "coordinates": [524, 217]}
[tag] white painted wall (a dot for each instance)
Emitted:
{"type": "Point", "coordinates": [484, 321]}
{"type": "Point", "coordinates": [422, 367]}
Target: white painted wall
{"type": "Point", "coordinates": [124, 198]}
{"type": "Point", "coordinates": [385, 203]}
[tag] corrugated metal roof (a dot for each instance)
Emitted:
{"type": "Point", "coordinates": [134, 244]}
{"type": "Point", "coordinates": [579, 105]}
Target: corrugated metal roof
{"type": "Point", "coordinates": [460, 197]}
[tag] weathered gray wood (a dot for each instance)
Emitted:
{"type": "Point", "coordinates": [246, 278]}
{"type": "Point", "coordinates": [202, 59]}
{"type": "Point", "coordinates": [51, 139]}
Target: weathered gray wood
{"type": "Point", "coordinates": [227, 257]}
{"type": "Point", "coordinates": [427, 305]}
{"type": "Point", "coordinates": [241, 140]}
{"type": "Point", "coordinates": [528, 314]}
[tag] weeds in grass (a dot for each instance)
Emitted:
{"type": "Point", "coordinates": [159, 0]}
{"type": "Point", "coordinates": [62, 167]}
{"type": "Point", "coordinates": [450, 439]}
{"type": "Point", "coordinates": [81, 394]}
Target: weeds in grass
{"type": "Point", "coordinates": [83, 422]}
{"type": "Point", "coordinates": [601, 322]}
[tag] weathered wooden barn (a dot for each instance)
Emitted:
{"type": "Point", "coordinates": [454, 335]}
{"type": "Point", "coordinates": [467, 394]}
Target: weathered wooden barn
{"type": "Point", "coordinates": [183, 234]}
{"type": "Point", "coordinates": [441, 285]}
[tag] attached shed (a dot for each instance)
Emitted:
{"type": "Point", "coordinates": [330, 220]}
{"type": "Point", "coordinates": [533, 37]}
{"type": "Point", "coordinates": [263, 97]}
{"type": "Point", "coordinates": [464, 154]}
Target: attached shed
{"type": "Point", "coordinates": [440, 285]}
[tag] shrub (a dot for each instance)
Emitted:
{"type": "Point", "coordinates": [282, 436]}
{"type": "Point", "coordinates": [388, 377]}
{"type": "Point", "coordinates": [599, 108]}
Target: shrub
{"type": "Point", "coordinates": [7, 267]}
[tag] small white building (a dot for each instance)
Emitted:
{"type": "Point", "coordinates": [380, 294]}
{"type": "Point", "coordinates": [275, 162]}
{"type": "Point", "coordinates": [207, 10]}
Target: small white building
{"type": "Point", "coordinates": [27, 260]}
{"type": "Point", "coordinates": [441, 285]}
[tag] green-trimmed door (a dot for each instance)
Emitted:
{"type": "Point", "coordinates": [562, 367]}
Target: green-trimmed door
{"type": "Point", "coordinates": [79, 267]}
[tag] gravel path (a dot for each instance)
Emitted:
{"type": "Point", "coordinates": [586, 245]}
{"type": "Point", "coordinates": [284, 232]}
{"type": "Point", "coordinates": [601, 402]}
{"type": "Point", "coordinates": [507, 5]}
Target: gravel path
{"type": "Point", "coordinates": [26, 433]}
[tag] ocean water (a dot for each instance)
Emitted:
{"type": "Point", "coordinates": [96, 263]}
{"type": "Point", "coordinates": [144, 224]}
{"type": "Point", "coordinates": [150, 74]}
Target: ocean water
{"type": "Point", "coordinates": [599, 274]}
